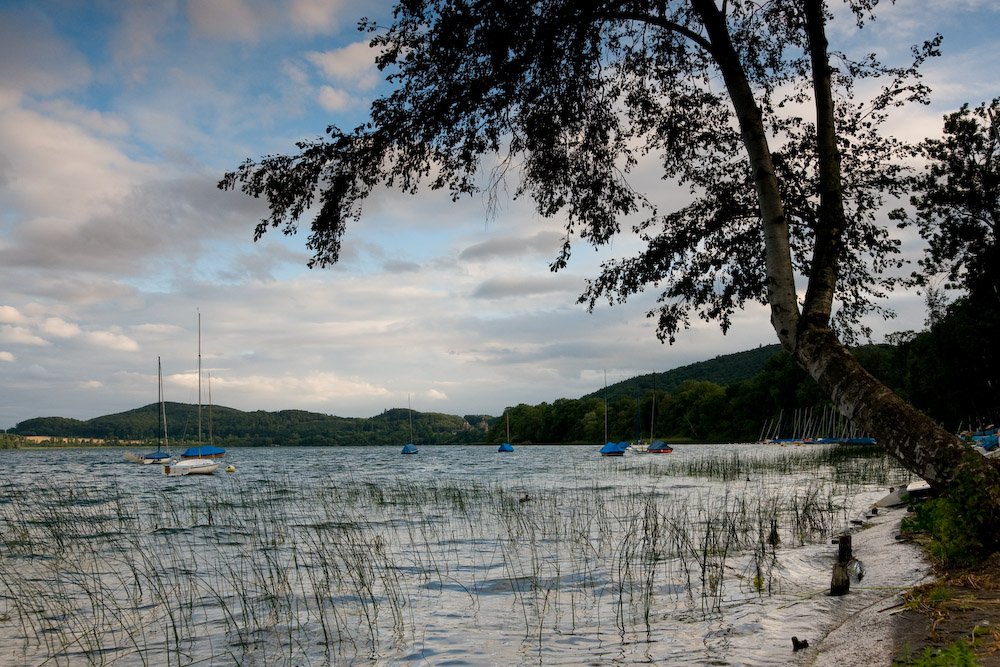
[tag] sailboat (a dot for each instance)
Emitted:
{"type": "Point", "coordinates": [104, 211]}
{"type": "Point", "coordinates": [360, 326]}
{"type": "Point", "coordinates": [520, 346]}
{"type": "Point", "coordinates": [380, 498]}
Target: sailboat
{"type": "Point", "coordinates": [610, 448]}
{"type": "Point", "coordinates": [506, 446]}
{"type": "Point", "coordinates": [410, 448]}
{"type": "Point", "coordinates": [655, 446]}
{"type": "Point", "coordinates": [197, 460]}
{"type": "Point", "coordinates": [159, 456]}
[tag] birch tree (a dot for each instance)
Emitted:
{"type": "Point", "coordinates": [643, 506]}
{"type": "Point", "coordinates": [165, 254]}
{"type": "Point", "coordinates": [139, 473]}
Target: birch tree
{"type": "Point", "coordinates": [745, 103]}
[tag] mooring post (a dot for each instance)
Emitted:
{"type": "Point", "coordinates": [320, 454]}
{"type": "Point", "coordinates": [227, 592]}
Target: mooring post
{"type": "Point", "coordinates": [840, 583]}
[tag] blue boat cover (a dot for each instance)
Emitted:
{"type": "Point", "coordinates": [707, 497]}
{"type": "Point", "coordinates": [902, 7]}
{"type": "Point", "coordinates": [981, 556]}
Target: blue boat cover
{"type": "Point", "coordinates": [203, 450]}
{"type": "Point", "coordinates": [157, 456]}
{"type": "Point", "coordinates": [409, 448]}
{"type": "Point", "coordinates": [505, 447]}
{"type": "Point", "coordinates": [846, 441]}
{"type": "Point", "coordinates": [987, 441]}
{"type": "Point", "coordinates": [613, 448]}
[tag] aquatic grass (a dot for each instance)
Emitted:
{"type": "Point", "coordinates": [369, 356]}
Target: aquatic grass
{"type": "Point", "coordinates": [279, 572]}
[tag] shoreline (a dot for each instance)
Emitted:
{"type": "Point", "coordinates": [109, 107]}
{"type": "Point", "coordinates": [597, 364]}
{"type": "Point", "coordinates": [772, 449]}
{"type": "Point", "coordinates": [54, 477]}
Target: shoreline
{"type": "Point", "coordinates": [868, 636]}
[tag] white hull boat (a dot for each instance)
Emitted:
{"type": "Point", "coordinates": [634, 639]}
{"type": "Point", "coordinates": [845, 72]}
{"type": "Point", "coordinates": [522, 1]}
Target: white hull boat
{"type": "Point", "coordinates": [190, 467]}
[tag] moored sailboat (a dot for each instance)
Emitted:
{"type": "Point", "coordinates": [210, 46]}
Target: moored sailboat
{"type": "Point", "coordinates": [200, 459]}
{"type": "Point", "coordinates": [409, 448]}
{"type": "Point", "coordinates": [160, 455]}
{"type": "Point", "coordinates": [506, 446]}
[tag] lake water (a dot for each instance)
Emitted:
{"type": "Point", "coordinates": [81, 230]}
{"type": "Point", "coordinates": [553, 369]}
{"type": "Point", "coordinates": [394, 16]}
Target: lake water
{"type": "Point", "coordinates": [459, 555]}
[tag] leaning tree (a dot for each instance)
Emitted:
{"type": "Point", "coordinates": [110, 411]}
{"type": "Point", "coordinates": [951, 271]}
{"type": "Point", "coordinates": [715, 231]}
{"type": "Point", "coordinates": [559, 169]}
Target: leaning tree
{"type": "Point", "coordinates": [741, 101]}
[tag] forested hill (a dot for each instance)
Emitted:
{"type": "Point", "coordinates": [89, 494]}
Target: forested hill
{"type": "Point", "coordinates": [299, 427]}
{"type": "Point", "coordinates": [228, 426]}
{"type": "Point", "coordinates": [723, 370]}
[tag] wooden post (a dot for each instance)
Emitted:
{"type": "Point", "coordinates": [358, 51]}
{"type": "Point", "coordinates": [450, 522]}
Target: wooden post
{"type": "Point", "coordinates": [840, 583]}
{"type": "Point", "coordinates": [844, 554]}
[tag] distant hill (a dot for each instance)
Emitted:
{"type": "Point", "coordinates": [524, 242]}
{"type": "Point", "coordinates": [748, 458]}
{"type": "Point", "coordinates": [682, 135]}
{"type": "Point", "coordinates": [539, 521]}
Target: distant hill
{"type": "Point", "coordinates": [260, 428]}
{"type": "Point", "coordinates": [228, 426]}
{"type": "Point", "coordinates": [723, 370]}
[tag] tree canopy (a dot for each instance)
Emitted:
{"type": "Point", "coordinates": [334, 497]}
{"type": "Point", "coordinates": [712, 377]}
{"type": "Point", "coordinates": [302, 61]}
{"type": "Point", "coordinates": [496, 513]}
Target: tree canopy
{"type": "Point", "coordinates": [744, 104]}
{"type": "Point", "coordinates": [569, 98]}
{"type": "Point", "coordinates": [957, 202]}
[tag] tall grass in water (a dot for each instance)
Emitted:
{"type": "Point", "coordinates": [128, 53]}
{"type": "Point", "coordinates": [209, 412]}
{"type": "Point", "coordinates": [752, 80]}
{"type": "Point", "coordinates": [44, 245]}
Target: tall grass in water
{"type": "Point", "coordinates": [278, 572]}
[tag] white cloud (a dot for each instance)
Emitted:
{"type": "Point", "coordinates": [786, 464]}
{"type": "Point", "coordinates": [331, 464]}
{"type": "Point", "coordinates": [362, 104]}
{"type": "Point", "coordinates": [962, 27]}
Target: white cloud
{"type": "Point", "coordinates": [11, 315]}
{"type": "Point", "coordinates": [111, 340]}
{"type": "Point", "coordinates": [21, 336]}
{"type": "Point", "coordinates": [48, 156]}
{"type": "Point", "coordinates": [6, 356]}
{"type": "Point", "coordinates": [316, 16]}
{"type": "Point", "coordinates": [353, 64]}
{"type": "Point", "coordinates": [333, 99]}
{"type": "Point", "coordinates": [55, 326]}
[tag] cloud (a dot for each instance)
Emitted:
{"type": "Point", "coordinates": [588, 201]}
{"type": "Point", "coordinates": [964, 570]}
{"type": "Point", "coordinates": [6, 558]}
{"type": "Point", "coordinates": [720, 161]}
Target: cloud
{"type": "Point", "coordinates": [353, 64]}
{"type": "Point", "coordinates": [228, 19]}
{"type": "Point", "coordinates": [251, 20]}
{"type": "Point", "coordinates": [333, 99]}
{"type": "Point", "coordinates": [111, 340]}
{"type": "Point", "coordinates": [20, 336]}
{"type": "Point", "coordinates": [34, 59]}
{"type": "Point", "coordinates": [436, 395]}
{"type": "Point", "coordinates": [316, 16]}
{"type": "Point", "coordinates": [545, 244]}
{"type": "Point", "coordinates": [11, 315]}
{"type": "Point", "coordinates": [55, 326]}
{"type": "Point", "coordinates": [6, 356]}
{"type": "Point", "coordinates": [507, 287]}
{"type": "Point", "coordinates": [47, 155]}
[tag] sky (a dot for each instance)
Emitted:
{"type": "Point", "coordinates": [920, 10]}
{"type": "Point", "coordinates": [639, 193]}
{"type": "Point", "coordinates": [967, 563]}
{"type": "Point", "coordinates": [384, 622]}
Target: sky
{"type": "Point", "coordinates": [117, 119]}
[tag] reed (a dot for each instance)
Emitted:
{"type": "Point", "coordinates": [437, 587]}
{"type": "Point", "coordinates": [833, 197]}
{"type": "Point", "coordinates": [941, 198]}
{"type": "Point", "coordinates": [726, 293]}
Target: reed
{"type": "Point", "coordinates": [278, 572]}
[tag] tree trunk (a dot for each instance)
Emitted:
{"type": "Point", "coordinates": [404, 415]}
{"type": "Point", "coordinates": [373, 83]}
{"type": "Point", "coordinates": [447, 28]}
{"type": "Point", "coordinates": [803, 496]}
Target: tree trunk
{"type": "Point", "coordinates": [906, 433]}
{"type": "Point", "coordinates": [832, 221]}
{"type": "Point", "coordinates": [781, 295]}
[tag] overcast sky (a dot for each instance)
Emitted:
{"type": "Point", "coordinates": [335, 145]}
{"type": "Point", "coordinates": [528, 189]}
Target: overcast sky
{"type": "Point", "coordinates": [117, 119]}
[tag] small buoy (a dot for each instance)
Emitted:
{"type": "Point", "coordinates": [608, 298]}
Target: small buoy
{"type": "Point", "coordinates": [230, 468]}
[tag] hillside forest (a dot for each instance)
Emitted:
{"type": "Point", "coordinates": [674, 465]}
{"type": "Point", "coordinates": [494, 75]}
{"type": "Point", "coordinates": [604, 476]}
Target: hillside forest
{"type": "Point", "coordinates": [949, 371]}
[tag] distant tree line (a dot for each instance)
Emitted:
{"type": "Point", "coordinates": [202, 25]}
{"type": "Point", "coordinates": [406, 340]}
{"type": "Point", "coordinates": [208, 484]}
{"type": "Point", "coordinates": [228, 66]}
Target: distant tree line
{"type": "Point", "coordinates": [949, 371]}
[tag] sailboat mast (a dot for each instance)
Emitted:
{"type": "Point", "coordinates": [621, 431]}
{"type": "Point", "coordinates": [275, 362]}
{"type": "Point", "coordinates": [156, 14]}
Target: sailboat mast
{"type": "Point", "coordinates": [211, 436]}
{"type": "Point", "coordinates": [652, 410]}
{"type": "Point", "coordinates": [606, 405]}
{"type": "Point", "coordinates": [410, 411]}
{"type": "Point", "coordinates": [199, 377]}
{"type": "Point", "coordinates": [163, 409]}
